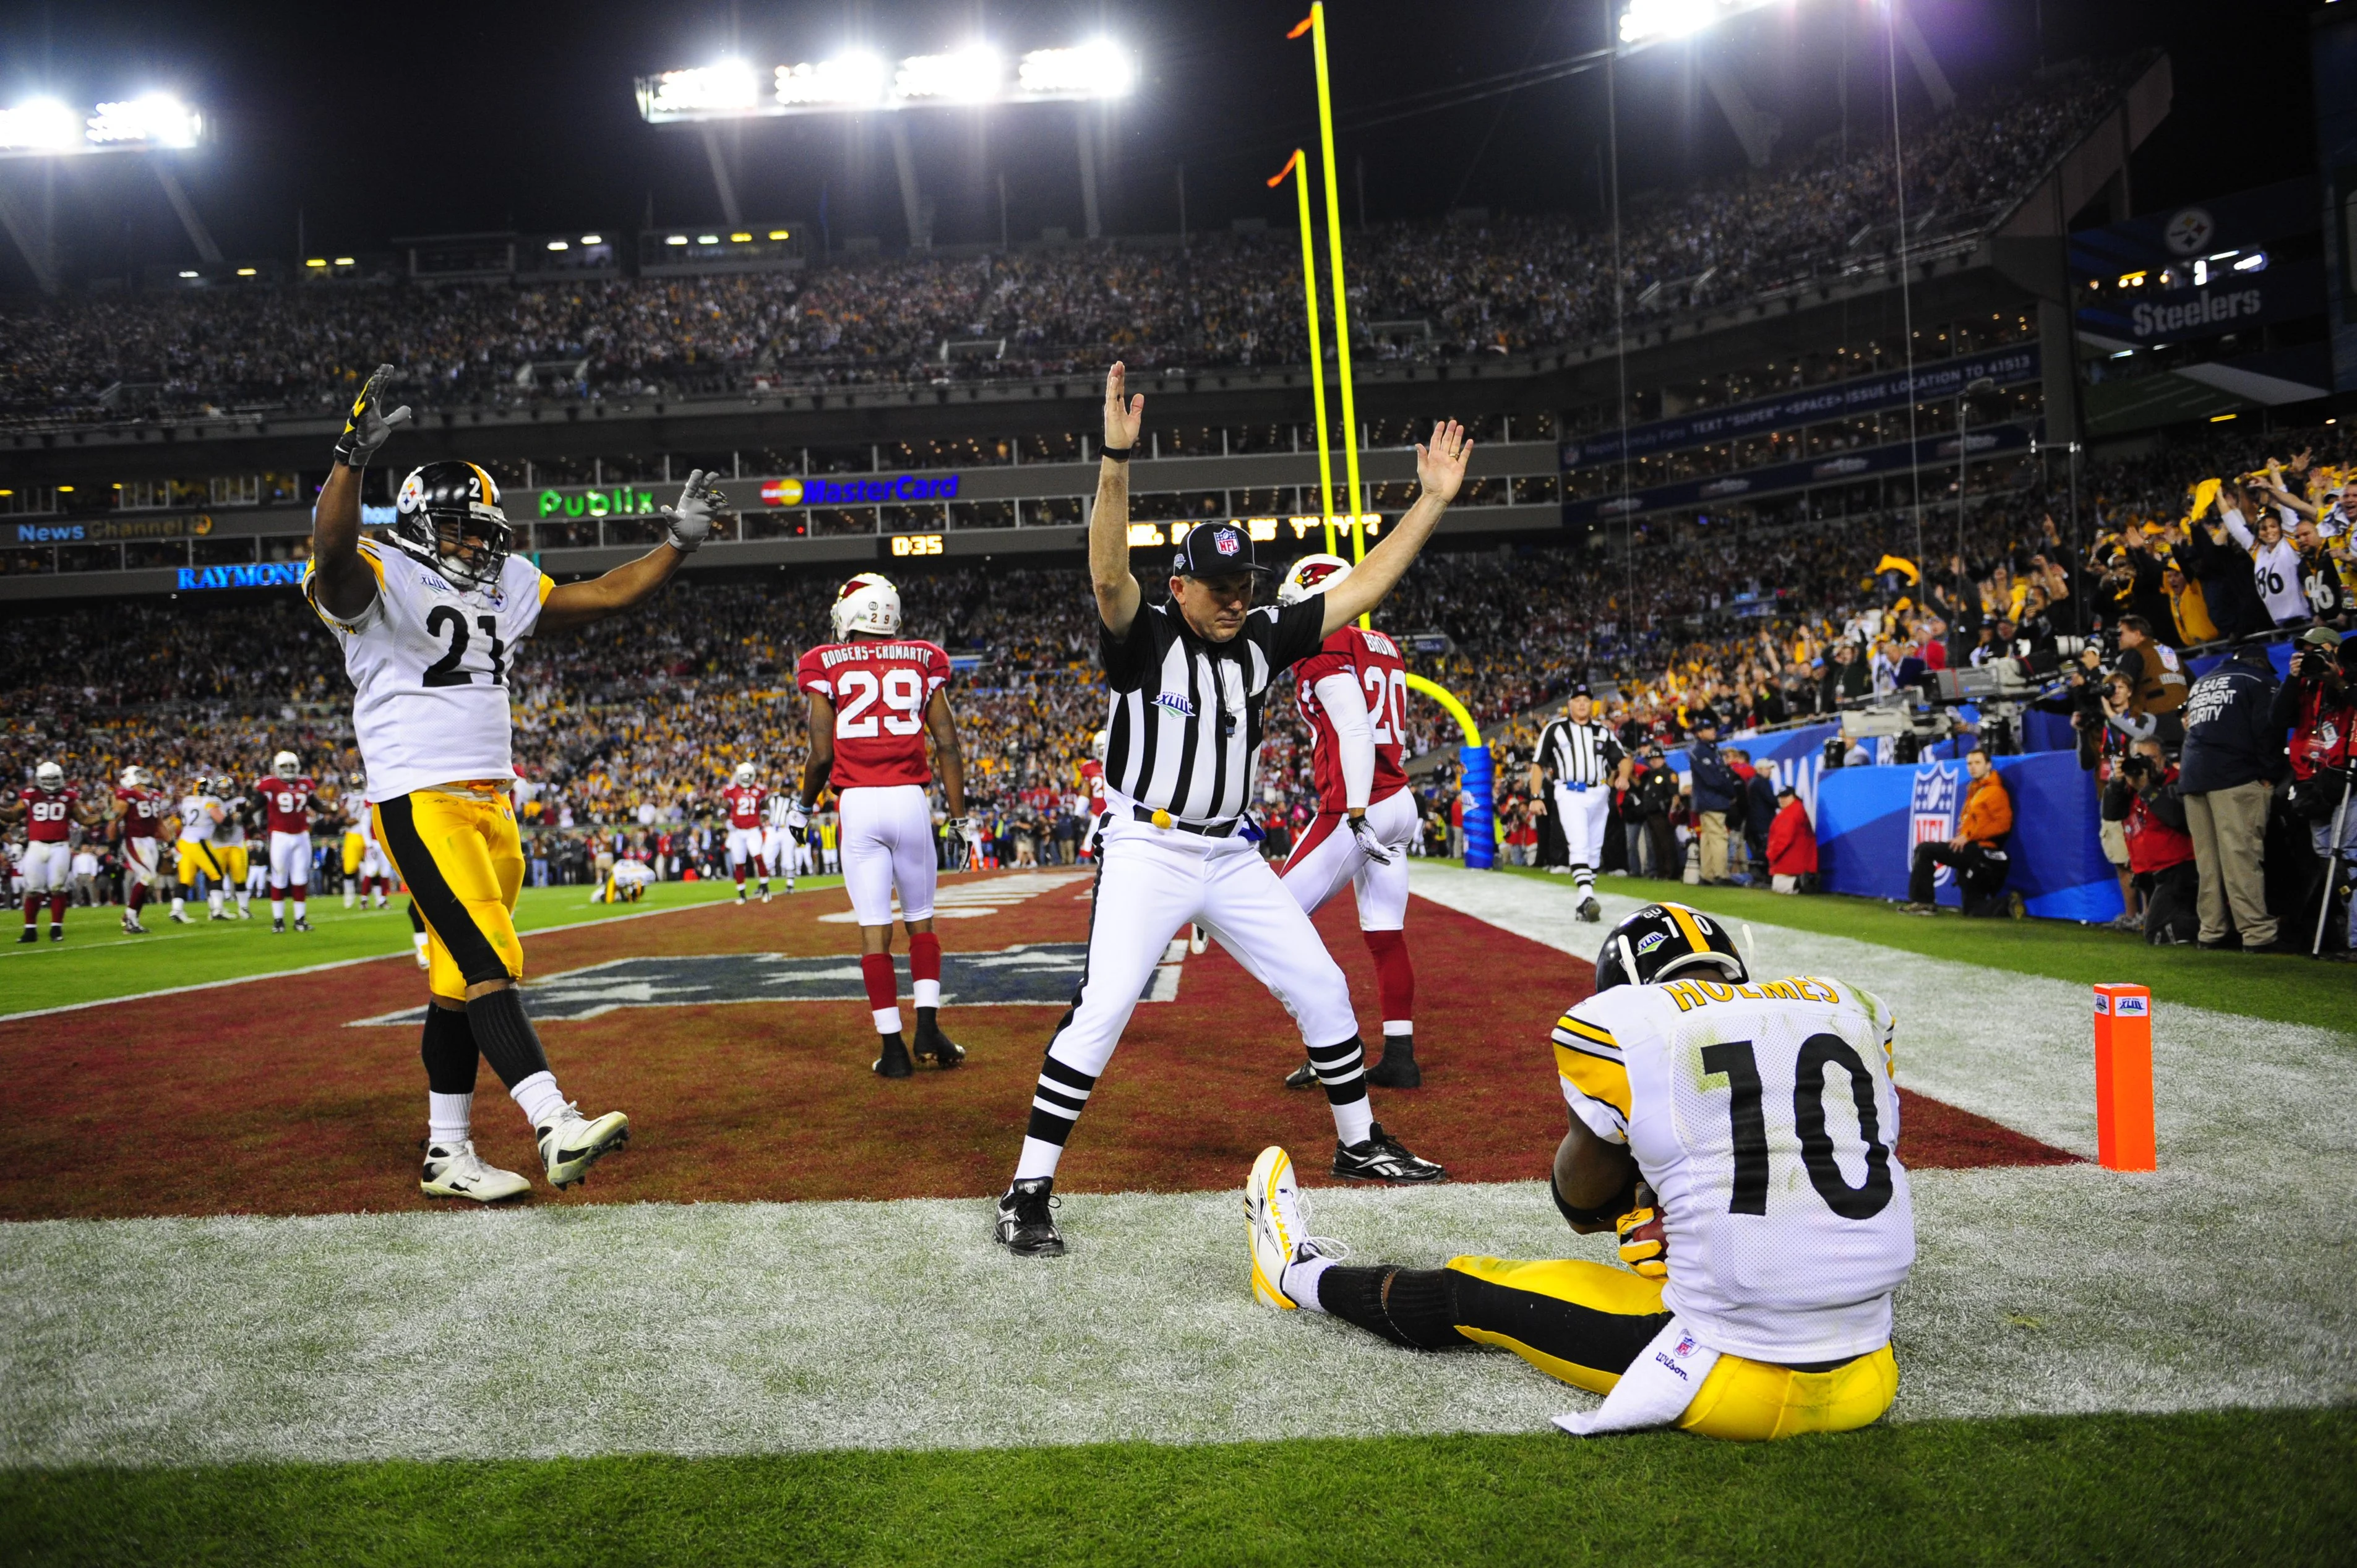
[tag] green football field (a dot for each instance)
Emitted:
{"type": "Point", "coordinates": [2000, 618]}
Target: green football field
{"type": "Point", "coordinates": [97, 961]}
{"type": "Point", "coordinates": [2096, 1368]}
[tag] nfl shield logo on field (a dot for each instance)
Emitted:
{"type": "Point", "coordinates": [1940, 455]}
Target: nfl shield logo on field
{"type": "Point", "coordinates": [1934, 810]}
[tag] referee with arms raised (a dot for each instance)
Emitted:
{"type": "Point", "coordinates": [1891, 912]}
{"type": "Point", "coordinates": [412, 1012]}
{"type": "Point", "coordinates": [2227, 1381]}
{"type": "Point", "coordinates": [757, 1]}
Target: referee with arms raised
{"type": "Point", "coordinates": [1189, 678]}
{"type": "Point", "coordinates": [1579, 755]}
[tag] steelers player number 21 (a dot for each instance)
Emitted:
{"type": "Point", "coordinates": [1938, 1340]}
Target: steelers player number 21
{"type": "Point", "coordinates": [1748, 1123]}
{"type": "Point", "coordinates": [443, 621]}
{"type": "Point", "coordinates": [900, 691]}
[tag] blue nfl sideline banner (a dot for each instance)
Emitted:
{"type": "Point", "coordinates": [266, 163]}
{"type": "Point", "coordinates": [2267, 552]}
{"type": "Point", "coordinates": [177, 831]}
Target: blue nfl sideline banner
{"type": "Point", "coordinates": [1870, 818]}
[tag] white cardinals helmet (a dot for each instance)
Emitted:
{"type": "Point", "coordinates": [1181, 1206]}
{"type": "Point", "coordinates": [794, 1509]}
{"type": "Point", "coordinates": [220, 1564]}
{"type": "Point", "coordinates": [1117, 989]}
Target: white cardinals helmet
{"type": "Point", "coordinates": [1098, 742]}
{"type": "Point", "coordinates": [1310, 576]}
{"type": "Point", "coordinates": [867, 603]}
{"type": "Point", "coordinates": [50, 776]}
{"type": "Point", "coordinates": [745, 773]}
{"type": "Point", "coordinates": [134, 778]}
{"type": "Point", "coordinates": [287, 766]}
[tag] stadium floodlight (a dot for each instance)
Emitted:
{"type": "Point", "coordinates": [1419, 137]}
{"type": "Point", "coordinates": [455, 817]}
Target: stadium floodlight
{"type": "Point", "coordinates": [558, 245]}
{"type": "Point", "coordinates": [730, 87]}
{"type": "Point", "coordinates": [1094, 71]}
{"type": "Point", "coordinates": [970, 76]}
{"type": "Point", "coordinates": [848, 81]}
{"type": "Point", "coordinates": [591, 240]}
{"type": "Point", "coordinates": [343, 261]}
{"type": "Point", "coordinates": [155, 121]}
{"type": "Point", "coordinates": [190, 273]}
{"type": "Point", "coordinates": [856, 82]}
{"type": "Point", "coordinates": [42, 125]}
{"type": "Point", "coordinates": [1656, 21]}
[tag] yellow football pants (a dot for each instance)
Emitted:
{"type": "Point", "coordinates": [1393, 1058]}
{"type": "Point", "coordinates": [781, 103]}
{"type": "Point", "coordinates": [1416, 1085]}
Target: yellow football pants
{"type": "Point", "coordinates": [233, 864]}
{"type": "Point", "coordinates": [1581, 1322]}
{"type": "Point", "coordinates": [198, 857]}
{"type": "Point", "coordinates": [458, 848]}
{"type": "Point", "coordinates": [354, 845]}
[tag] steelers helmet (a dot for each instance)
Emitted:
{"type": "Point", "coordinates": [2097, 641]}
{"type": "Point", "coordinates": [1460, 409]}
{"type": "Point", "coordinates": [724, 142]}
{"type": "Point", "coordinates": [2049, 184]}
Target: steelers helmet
{"type": "Point", "coordinates": [1310, 576]}
{"type": "Point", "coordinates": [867, 603]}
{"type": "Point", "coordinates": [1663, 941]}
{"type": "Point", "coordinates": [447, 515]}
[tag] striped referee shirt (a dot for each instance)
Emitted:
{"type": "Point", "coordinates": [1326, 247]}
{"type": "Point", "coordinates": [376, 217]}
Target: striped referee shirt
{"type": "Point", "coordinates": [1574, 753]}
{"type": "Point", "coordinates": [1186, 726]}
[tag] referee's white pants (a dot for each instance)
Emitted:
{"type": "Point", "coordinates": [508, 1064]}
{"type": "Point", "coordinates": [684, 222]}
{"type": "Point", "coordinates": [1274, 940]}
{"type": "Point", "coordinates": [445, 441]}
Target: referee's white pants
{"type": "Point", "coordinates": [1582, 814]}
{"type": "Point", "coordinates": [1156, 881]}
{"type": "Point", "coordinates": [1330, 857]}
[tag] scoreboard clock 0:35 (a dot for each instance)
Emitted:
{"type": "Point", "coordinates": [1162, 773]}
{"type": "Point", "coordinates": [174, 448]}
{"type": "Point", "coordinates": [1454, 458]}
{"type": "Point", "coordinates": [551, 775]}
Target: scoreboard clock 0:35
{"type": "Point", "coordinates": [906, 546]}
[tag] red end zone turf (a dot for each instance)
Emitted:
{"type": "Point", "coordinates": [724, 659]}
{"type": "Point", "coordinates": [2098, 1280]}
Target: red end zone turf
{"type": "Point", "coordinates": [259, 1098]}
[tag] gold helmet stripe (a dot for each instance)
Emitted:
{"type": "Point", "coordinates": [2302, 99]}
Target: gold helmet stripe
{"type": "Point", "coordinates": [1686, 924]}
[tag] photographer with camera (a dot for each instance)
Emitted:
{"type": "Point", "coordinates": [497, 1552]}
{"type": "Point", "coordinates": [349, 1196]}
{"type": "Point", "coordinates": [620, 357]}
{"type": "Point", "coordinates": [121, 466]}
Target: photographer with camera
{"type": "Point", "coordinates": [2319, 707]}
{"type": "Point", "coordinates": [2143, 801]}
{"type": "Point", "coordinates": [2232, 754]}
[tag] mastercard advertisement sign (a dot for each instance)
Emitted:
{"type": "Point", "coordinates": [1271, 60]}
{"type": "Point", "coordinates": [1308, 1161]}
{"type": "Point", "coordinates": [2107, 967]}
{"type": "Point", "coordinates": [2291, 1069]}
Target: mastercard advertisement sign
{"type": "Point", "coordinates": [781, 492]}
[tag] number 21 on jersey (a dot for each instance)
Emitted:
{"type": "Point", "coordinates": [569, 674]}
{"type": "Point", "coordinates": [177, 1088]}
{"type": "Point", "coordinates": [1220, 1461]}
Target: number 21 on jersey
{"type": "Point", "coordinates": [864, 702]}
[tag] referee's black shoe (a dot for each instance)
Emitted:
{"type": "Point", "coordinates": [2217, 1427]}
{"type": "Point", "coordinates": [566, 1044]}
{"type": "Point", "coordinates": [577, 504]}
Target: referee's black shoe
{"type": "Point", "coordinates": [1026, 1227]}
{"type": "Point", "coordinates": [1303, 1077]}
{"type": "Point", "coordinates": [1381, 1158]}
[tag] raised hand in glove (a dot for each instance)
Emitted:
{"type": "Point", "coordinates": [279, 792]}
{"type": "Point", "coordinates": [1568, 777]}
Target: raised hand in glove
{"type": "Point", "coordinates": [690, 523]}
{"type": "Point", "coordinates": [1644, 1245]}
{"type": "Point", "coordinates": [368, 426]}
{"type": "Point", "coordinates": [965, 829]}
{"type": "Point", "coordinates": [1369, 845]}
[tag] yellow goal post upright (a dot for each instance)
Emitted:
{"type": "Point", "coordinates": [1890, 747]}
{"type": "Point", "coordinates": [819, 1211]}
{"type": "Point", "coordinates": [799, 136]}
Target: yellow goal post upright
{"type": "Point", "coordinates": [1477, 776]}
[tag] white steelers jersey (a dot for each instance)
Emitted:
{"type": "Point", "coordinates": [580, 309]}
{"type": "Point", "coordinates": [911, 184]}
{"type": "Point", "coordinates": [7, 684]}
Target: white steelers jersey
{"type": "Point", "coordinates": [429, 663]}
{"type": "Point", "coordinates": [197, 821]}
{"type": "Point", "coordinates": [1766, 1120]}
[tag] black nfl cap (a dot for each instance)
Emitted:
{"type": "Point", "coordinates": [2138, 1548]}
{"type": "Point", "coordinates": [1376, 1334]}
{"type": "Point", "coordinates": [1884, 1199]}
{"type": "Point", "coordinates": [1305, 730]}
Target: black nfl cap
{"type": "Point", "coordinates": [1212, 550]}
{"type": "Point", "coordinates": [1581, 691]}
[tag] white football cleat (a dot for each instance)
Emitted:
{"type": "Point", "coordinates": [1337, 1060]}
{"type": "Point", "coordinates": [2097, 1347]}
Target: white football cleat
{"type": "Point", "coordinates": [571, 1142]}
{"type": "Point", "coordinates": [1276, 1227]}
{"type": "Point", "coordinates": [455, 1170]}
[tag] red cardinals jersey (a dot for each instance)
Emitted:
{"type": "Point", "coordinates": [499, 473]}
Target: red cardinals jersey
{"type": "Point", "coordinates": [744, 802]}
{"type": "Point", "coordinates": [1373, 660]}
{"type": "Point", "coordinates": [48, 814]}
{"type": "Point", "coordinates": [1092, 780]}
{"type": "Point", "coordinates": [142, 812]}
{"type": "Point", "coordinates": [879, 689]}
{"type": "Point", "coordinates": [288, 802]}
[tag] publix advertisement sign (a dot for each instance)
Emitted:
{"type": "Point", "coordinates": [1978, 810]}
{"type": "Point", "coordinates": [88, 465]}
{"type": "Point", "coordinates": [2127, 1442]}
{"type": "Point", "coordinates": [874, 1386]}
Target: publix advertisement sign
{"type": "Point", "coordinates": [641, 501]}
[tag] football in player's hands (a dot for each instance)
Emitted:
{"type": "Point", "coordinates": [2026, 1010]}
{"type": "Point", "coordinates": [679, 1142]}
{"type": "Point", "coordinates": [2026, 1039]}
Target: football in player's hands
{"type": "Point", "coordinates": [690, 523]}
{"type": "Point", "coordinates": [1644, 1245]}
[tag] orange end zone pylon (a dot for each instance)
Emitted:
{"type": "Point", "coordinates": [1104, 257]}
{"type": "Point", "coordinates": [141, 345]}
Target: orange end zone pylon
{"type": "Point", "coordinates": [2124, 1124]}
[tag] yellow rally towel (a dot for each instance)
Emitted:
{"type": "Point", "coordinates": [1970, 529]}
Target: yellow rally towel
{"type": "Point", "coordinates": [1898, 564]}
{"type": "Point", "coordinates": [2204, 495]}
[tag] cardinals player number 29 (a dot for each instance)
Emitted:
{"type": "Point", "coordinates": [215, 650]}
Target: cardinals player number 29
{"type": "Point", "coordinates": [898, 692]}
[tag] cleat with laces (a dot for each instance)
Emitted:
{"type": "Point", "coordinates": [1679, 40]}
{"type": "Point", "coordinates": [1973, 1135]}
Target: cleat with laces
{"type": "Point", "coordinates": [1303, 1077]}
{"type": "Point", "coordinates": [278, 928]}
{"type": "Point", "coordinates": [179, 917]}
{"type": "Point", "coordinates": [57, 933]}
{"type": "Point", "coordinates": [32, 934]}
{"type": "Point", "coordinates": [131, 925]}
{"type": "Point", "coordinates": [302, 923]}
{"type": "Point", "coordinates": [455, 1170]}
{"type": "Point", "coordinates": [1026, 1226]}
{"type": "Point", "coordinates": [765, 895]}
{"type": "Point", "coordinates": [1276, 1227]}
{"type": "Point", "coordinates": [1590, 911]}
{"type": "Point", "coordinates": [1383, 1158]}
{"type": "Point", "coordinates": [571, 1142]}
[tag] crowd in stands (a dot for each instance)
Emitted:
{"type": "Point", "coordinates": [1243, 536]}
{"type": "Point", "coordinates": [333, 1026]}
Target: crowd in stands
{"type": "Point", "coordinates": [1417, 291]}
